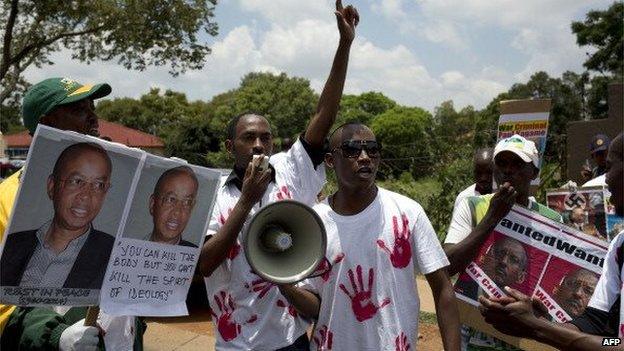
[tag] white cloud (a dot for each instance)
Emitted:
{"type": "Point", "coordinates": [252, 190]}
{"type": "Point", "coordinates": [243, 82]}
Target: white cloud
{"type": "Point", "coordinates": [299, 38]}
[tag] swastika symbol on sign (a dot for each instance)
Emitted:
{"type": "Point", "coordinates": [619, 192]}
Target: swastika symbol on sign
{"type": "Point", "coordinates": [575, 200]}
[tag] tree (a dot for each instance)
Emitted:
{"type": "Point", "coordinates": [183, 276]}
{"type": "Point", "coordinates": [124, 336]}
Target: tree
{"type": "Point", "coordinates": [363, 108]}
{"type": "Point", "coordinates": [287, 102]}
{"type": "Point", "coordinates": [405, 134]}
{"type": "Point", "coordinates": [135, 33]}
{"type": "Point", "coordinates": [604, 30]}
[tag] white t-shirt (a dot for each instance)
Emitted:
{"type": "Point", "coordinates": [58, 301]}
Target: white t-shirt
{"type": "Point", "coordinates": [462, 224]}
{"type": "Point", "coordinates": [369, 299]}
{"type": "Point", "coordinates": [610, 287]}
{"type": "Point", "coordinates": [469, 191]}
{"type": "Point", "coordinates": [250, 313]}
{"type": "Point", "coordinates": [598, 181]}
{"type": "Point", "coordinates": [278, 157]}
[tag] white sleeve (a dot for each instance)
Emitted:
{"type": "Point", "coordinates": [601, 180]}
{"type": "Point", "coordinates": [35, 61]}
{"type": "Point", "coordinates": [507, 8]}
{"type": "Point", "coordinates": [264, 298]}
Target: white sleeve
{"type": "Point", "coordinates": [429, 256]}
{"type": "Point", "coordinates": [461, 223]}
{"type": "Point", "coordinates": [299, 173]}
{"type": "Point", "coordinates": [607, 289]}
{"type": "Point", "coordinates": [457, 201]}
{"type": "Point", "coordinates": [215, 222]}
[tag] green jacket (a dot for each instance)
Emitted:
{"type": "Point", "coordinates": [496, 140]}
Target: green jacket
{"type": "Point", "coordinates": [31, 328]}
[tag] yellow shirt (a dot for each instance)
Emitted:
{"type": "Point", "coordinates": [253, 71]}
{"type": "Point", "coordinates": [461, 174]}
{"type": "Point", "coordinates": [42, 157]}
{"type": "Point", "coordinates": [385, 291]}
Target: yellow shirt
{"type": "Point", "coordinates": [8, 192]}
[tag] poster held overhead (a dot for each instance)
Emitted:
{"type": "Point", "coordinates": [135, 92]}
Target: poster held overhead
{"type": "Point", "coordinates": [527, 118]}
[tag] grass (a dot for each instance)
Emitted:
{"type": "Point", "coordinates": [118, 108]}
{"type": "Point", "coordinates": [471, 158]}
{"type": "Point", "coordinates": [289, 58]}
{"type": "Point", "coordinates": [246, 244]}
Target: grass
{"type": "Point", "coordinates": [428, 318]}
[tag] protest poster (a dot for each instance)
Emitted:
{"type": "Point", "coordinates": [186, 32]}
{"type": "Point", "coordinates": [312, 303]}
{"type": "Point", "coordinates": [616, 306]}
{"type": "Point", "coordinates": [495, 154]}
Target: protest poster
{"type": "Point", "coordinates": [583, 209]}
{"type": "Point", "coordinates": [153, 262]}
{"type": "Point", "coordinates": [540, 257]}
{"type": "Point", "coordinates": [527, 118]}
{"type": "Point", "coordinates": [65, 218]}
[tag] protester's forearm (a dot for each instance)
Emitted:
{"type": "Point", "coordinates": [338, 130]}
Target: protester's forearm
{"type": "Point", "coordinates": [448, 317]}
{"type": "Point", "coordinates": [215, 250]}
{"type": "Point", "coordinates": [567, 337]}
{"type": "Point", "coordinates": [304, 301]}
{"type": "Point", "coordinates": [329, 101]}
{"type": "Point", "coordinates": [462, 253]}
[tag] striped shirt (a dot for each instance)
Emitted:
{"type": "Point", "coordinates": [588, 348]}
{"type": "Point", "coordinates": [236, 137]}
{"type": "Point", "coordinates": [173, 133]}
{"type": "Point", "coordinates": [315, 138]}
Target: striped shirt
{"type": "Point", "coordinates": [46, 268]}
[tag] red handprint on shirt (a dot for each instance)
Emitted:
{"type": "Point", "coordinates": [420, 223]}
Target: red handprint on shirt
{"type": "Point", "coordinates": [402, 252]}
{"type": "Point", "coordinates": [235, 249]}
{"type": "Point", "coordinates": [325, 339]}
{"type": "Point", "coordinates": [326, 269]}
{"type": "Point", "coordinates": [284, 193]}
{"type": "Point", "coordinates": [259, 286]}
{"type": "Point", "coordinates": [291, 309]}
{"type": "Point", "coordinates": [226, 325]}
{"type": "Point", "coordinates": [401, 342]}
{"type": "Point", "coordinates": [363, 307]}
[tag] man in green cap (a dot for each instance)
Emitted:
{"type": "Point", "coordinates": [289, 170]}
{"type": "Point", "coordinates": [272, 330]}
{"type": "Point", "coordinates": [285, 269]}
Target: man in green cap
{"type": "Point", "coordinates": [64, 104]}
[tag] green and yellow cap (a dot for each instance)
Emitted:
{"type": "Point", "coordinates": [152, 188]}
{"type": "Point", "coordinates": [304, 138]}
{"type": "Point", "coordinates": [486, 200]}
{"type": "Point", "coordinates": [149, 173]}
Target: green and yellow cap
{"type": "Point", "coordinates": [44, 96]}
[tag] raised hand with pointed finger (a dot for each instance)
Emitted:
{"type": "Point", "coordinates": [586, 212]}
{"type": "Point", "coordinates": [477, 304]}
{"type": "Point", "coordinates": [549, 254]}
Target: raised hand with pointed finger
{"type": "Point", "coordinates": [401, 253]}
{"type": "Point", "coordinates": [361, 299]}
{"type": "Point", "coordinates": [347, 18]}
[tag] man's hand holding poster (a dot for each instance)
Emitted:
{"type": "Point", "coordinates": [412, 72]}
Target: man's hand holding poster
{"type": "Point", "coordinates": [539, 257]}
{"type": "Point", "coordinates": [82, 199]}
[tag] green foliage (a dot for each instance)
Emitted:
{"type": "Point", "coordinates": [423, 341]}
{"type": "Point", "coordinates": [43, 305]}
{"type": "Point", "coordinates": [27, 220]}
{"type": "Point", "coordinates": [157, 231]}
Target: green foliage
{"type": "Point", "coordinates": [420, 191]}
{"type": "Point", "coordinates": [363, 108]}
{"type": "Point", "coordinates": [287, 102]}
{"type": "Point", "coordinates": [427, 318]}
{"type": "Point", "coordinates": [136, 34]}
{"type": "Point", "coordinates": [603, 30]}
{"type": "Point", "coordinates": [452, 178]}
{"type": "Point", "coordinates": [405, 133]}
{"type": "Point", "coordinates": [10, 119]}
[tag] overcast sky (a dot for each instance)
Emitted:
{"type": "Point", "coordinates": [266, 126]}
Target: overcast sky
{"type": "Point", "coordinates": [418, 52]}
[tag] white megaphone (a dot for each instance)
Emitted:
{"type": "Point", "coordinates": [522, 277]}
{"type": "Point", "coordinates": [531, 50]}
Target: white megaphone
{"type": "Point", "coordinates": [285, 242]}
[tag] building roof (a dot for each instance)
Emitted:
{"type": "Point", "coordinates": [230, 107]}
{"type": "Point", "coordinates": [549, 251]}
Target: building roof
{"type": "Point", "coordinates": [117, 132]}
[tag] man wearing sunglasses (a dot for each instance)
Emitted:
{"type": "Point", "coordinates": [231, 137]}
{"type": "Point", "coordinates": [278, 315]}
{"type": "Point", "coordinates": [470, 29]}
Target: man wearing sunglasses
{"type": "Point", "coordinates": [377, 241]}
{"type": "Point", "coordinates": [66, 251]}
{"type": "Point", "coordinates": [261, 320]}
{"type": "Point", "coordinates": [171, 205]}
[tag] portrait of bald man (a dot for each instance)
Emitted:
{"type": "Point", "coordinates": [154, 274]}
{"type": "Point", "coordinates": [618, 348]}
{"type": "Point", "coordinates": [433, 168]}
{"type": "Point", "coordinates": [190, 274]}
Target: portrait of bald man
{"type": "Point", "coordinates": [171, 204]}
{"type": "Point", "coordinates": [66, 251]}
{"type": "Point", "coordinates": [575, 290]}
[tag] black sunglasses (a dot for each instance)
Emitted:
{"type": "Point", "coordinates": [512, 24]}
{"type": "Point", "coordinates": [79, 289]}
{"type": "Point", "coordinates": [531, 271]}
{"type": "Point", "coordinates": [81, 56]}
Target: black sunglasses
{"type": "Point", "coordinates": [353, 148]}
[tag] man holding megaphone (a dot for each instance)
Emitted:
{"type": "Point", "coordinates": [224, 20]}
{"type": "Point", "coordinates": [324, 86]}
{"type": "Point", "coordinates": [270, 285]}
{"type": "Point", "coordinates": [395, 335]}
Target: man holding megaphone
{"type": "Point", "coordinates": [377, 241]}
{"type": "Point", "coordinates": [247, 310]}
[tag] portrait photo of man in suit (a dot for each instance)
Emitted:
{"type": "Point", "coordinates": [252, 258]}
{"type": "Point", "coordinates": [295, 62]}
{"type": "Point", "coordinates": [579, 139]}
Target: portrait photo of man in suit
{"type": "Point", "coordinates": [66, 251]}
{"type": "Point", "coordinates": [171, 204]}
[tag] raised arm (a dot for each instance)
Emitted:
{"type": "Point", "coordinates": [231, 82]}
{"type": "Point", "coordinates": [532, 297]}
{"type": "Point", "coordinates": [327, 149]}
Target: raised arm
{"type": "Point", "coordinates": [216, 248]}
{"type": "Point", "coordinates": [446, 308]}
{"type": "Point", "coordinates": [462, 253]}
{"type": "Point", "coordinates": [329, 101]}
